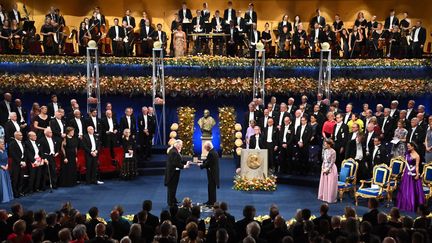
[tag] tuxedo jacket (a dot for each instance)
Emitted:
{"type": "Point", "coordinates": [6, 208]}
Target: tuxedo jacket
{"type": "Point", "coordinates": [86, 143]}
{"type": "Point", "coordinates": [411, 115]}
{"type": "Point", "coordinates": [105, 125]}
{"type": "Point", "coordinates": [421, 36]}
{"type": "Point", "coordinates": [50, 108]}
{"type": "Point", "coordinates": [235, 34]}
{"type": "Point", "coordinates": [30, 153]}
{"type": "Point", "coordinates": [246, 118]}
{"type": "Point", "coordinates": [396, 115]}
{"type": "Point", "coordinates": [174, 162]}
{"type": "Point", "coordinates": [233, 15]}
{"type": "Point", "coordinates": [24, 114]}
{"type": "Point", "coordinates": [253, 142]}
{"type": "Point", "coordinates": [308, 109]}
{"type": "Point", "coordinates": [9, 131]}
{"type": "Point", "coordinates": [72, 122]}
{"type": "Point", "coordinates": [151, 124]}
{"type": "Point", "coordinates": [12, 16]}
{"type": "Point", "coordinates": [341, 138]}
{"type": "Point", "coordinates": [4, 113]}
{"type": "Point", "coordinates": [351, 149]}
{"type": "Point", "coordinates": [262, 122]}
{"type": "Point", "coordinates": [322, 106]}
{"type": "Point", "coordinates": [131, 20]}
{"type": "Point", "coordinates": [90, 123]}
{"type": "Point", "coordinates": [112, 32]}
{"type": "Point", "coordinates": [321, 37]}
{"type": "Point", "coordinates": [369, 145]}
{"type": "Point", "coordinates": [387, 24]}
{"type": "Point", "coordinates": [281, 26]}
{"type": "Point", "coordinates": [214, 23]}
{"type": "Point", "coordinates": [205, 15]}
{"type": "Point", "coordinates": [163, 39]}
{"type": "Point", "coordinates": [44, 149]}
{"type": "Point", "coordinates": [307, 135]}
{"type": "Point", "coordinates": [248, 17]}
{"type": "Point", "coordinates": [274, 135]}
{"type": "Point", "coordinates": [55, 127]}
{"type": "Point", "coordinates": [211, 164]}
{"type": "Point", "coordinates": [283, 114]}
{"type": "Point", "coordinates": [388, 128]}
{"type": "Point", "coordinates": [240, 22]}
{"type": "Point", "coordinates": [15, 153]}
{"type": "Point", "coordinates": [188, 15]}
{"type": "Point", "coordinates": [144, 33]}
{"type": "Point", "coordinates": [418, 137]}
{"type": "Point", "coordinates": [124, 124]}
{"type": "Point", "coordinates": [289, 137]}
{"type": "Point", "coordinates": [292, 111]}
{"type": "Point", "coordinates": [314, 20]}
{"type": "Point", "coordinates": [252, 37]}
{"type": "Point", "coordinates": [380, 156]}
{"type": "Point", "coordinates": [200, 22]}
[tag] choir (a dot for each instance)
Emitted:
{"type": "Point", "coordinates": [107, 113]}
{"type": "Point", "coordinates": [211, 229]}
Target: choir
{"type": "Point", "coordinates": [229, 33]}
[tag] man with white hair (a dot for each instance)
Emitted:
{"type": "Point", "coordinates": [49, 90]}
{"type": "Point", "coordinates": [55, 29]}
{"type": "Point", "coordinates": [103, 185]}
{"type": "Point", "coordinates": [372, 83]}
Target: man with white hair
{"type": "Point", "coordinates": [57, 125]}
{"type": "Point", "coordinates": [387, 125]}
{"type": "Point", "coordinates": [91, 145]}
{"type": "Point", "coordinates": [174, 164]}
{"type": "Point", "coordinates": [411, 112]}
{"type": "Point", "coordinates": [6, 107]}
{"type": "Point", "coordinates": [17, 155]}
{"type": "Point", "coordinates": [394, 112]}
{"type": "Point", "coordinates": [49, 149]}
{"type": "Point", "coordinates": [211, 164]}
{"type": "Point", "coordinates": [78, 124]}
{"type": "Point", "coordinates": [34, 162]}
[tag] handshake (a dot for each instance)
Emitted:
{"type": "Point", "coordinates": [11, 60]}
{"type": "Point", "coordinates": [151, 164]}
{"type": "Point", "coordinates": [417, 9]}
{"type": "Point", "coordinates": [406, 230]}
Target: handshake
{"type": "Point", "coordinates": [189, 163]}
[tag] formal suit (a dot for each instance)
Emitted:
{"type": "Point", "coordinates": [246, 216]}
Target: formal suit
{"type": "Point", "coordinates": [91, 162]}
{"type": "Point", "coordinates": [22, 118]}
{"type": "Point", "coordinates": [253, 142]}
{"type": "Point", "coordinates": [387, 125]}
{"type": "Point", "coordinates": [117, 33]}
{"type": "Point", "coordinates": [254, 38]}
{"type": "Point", "coordinates": [10, 129]}
{"type": "Point", "coordinates": [35, 172]}
{"type": "Point", "coordinates": [248, 17]}
{"type": "Point", "coordinates": [417, 135]}
{"type": "Point", "coordinates": [73, 123]}
{"type": "Point", "coordinates": [418, 45]}
{"type": "Point", "coordinates": [340, 140]}
{"type": "Point", "coordinates": [262, 122]}
{"type": "Point", "coordinates": [108, 137]}
{"type": "Point", "coordinates": [131, 20]}
{"type": "Point", "coordinates": [185, 14]}
{"type": "Point", "coordinates": [411, 115]}
{"type": "Point", "coordinates": [57, 129]}
{"type": "Point", "coordinates": [51, 111]}
{"type": "Point", "coordinates": [96, 124]}
{"type": "Point", "coordinates": [232, 41]}
{"type": "Point", "coordinates": [16, 16]}
{"type": "Point", "coordinates": [4, 112]}
{"type": "Point", "coordinates": [286, 154]}
{"type": "Point", "coordinates": [124, 124]}
{"type": "Point", "coordinates": [211, 164]}
{"type": "Point", "coordinates": [270, 142]}
{"type": "Point", "coordinates": [162, 37]}
{"type": "Point", "coordinates": [365, 168]}
{"type": "Point", "coordinates": [17, 155]}
{"type": "Point", "coordinates": [46, 153]}
{"type": "Point", "coordinates": [303, 152]}
{"type": "Point", "coordinates": [388, 25]}
{"type": "Point", "coordinates": [279, 120]}
{"type": "Point", "coordinates": [233, 15]}
{"type": "Point", "coordinates": [174, 164]}
{"type": "Point", "coordinates": [247, 118]}
{"type": "Point", "coordinates": [379, 155]}
{"type": "Point", "coordinates": [145, 138]}
{"type": "Point", "coordinates": [321, 21]}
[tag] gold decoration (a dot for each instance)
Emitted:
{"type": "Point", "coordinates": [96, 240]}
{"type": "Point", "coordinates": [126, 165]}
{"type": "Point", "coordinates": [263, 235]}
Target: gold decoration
{"type": "Point", "coordinates": [238, 142]}
{"type": "Point", "coordinates": [171, 141]}
{"type": "Point", "coordinates": [227, 119]}
{"type": "Point", "coordinates": [253, 161]}
{"type": "Point", "coordinates": [238, 127]}
{"type": "Point", "coordinates": [239, 150]}
{"type": "Point", "coordinates": [173, 134]}
{"type": "Point", "coordinates": [238, 135]}
{"type": "Point", "coordinates": [186, 119]}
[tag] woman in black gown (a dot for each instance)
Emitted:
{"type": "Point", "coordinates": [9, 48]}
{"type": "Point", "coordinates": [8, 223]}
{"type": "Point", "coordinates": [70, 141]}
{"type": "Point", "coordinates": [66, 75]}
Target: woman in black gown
{"type": "Point", "coordinates": [68, 168]}
{"type": "Point", "coordinates": [41, 122]}
{"type": "Point", "coordinates": [129, 168]}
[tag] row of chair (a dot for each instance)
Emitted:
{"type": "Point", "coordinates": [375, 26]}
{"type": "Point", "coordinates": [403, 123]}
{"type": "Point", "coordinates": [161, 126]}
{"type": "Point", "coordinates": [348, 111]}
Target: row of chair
{"type": "Point", "coordinates": [384, 181]}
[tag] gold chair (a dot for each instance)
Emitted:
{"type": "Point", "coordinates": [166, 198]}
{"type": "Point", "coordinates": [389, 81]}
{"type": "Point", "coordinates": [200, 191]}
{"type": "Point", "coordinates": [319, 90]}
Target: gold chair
{"type": "Point", "coordinates": [347, 177]}
{"type": "Point", "coordinates": [379, 184]}
{"type": "Point", "coordinates": [427, 180]}
{"type": "Point", "coordinates": [397, 167]}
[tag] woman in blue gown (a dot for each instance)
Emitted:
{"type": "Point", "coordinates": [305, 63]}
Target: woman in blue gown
{"type": "Point", "coordinates": [5, 182]}
{"type": "Point", "coordinates": [411, 194]}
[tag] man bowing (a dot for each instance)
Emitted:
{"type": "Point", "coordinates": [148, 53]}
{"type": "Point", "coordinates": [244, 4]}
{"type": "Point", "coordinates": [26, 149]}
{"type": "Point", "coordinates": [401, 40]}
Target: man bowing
{"type": "Point", "coordinates": [211, 164]}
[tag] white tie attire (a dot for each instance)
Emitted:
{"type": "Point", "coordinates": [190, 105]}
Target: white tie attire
{"type": "Point", "coordinates": [21, 148]}
{"type": "Point", "coordinates": [60, 123]}
{"type": "Point", "coordinates": [51, 146]}
{"type": "Point", "coordinates": [270, 134]}
{"type": "Point", "coordinates": [412, 134]}
{"type": "Point", "coordinates": [257, 142]}
{"type": "Point", "coordinates": [110, 124]}
{"type": "Point", "coordinates": [94, 120]}
{"type": "Point", "coordinates": [80, 126]}
{"type": "Point", "coordinates": [17, 127]}
{"type": "Point", "coordinates": [93, 143]}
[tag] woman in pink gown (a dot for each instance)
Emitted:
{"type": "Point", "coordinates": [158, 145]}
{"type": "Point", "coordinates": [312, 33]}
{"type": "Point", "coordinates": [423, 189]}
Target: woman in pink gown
{"type": "Point", "coordinates": [329, 176]}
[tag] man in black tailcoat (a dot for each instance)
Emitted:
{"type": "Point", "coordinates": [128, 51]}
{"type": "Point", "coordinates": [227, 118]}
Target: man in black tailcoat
{"type": "Point", "coordinates": [211, 164]}
{"type": "Point", "coordinates": [174, 164]}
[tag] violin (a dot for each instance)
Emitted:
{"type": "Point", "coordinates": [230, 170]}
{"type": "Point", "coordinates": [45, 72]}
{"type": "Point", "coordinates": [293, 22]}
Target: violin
{"type": "Point", "coordinates": [317, 46]}
{"type": "Point", "coordinates": [287, 45]}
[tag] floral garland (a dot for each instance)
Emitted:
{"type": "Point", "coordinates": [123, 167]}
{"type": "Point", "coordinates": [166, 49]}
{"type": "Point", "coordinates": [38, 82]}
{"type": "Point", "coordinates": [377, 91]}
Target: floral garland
{"type": "Point", "coordinates": [213, 61]}
{"type": "Point", "coordinates": [256, 184]}
{"type": "Point", "coordinates": [186, 118]}
{"type": "Point", "coordinates": [213, 86]}
{"type": "Point", "coordinates": [227, 120]}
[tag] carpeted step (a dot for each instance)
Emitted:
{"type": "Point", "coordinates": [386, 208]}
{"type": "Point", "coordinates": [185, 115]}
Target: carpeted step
{"type": "Point", "coordinates": [298, 180]}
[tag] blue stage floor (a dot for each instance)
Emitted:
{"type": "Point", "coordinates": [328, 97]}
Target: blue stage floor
{"type": "Point", "coordinates": [193, 183]}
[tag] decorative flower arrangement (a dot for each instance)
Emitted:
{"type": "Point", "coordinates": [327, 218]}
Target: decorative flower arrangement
{"type": "Point", "coordinates": [214, 86]}
{"type": "Point", "coordinates": [186, 118]}
{"type": "Point", "coordinates": [227, 119]}
{"type": "Point", "coordinates": [256, 184]}
{"type": "Point", "coordinates": [213, 61]}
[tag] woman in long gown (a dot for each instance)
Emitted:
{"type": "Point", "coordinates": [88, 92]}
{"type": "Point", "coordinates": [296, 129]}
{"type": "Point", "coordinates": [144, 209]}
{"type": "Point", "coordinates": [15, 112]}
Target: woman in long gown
{"type": "Point", "coordinates": [400, 134]}
{"type": "Point", "coordinates": [129, 168]}
{"type": "Point", "coordinates": [411, 193]}
{"type": "Point", "coordinates": [68, 169]}
{"type": "Point", "coordinates": [6, 193]}
{"type": "Point", "coordinates": [179, 42]}
{"type": "Point", "coordinates": [329, 176]}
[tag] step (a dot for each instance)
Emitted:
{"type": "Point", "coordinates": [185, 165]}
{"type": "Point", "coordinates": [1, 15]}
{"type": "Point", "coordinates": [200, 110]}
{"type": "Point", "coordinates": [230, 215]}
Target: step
{"type": "Point", "coordinates": [298, 180]}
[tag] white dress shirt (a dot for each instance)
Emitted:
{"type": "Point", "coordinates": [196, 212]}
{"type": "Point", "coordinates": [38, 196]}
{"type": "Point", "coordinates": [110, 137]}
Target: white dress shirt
{"type": "Point", "coordinates": [128, 20]}
{"type": "Point", "coordinates": [296, 124]}
{"type": "Point", "coordinates": [416, 34]}
{"type": "Point", "coordinates": [2, 17]}
{"type": "Point", "coordinates": [384, 123]}
{"type": "Point", "coordinates": [338, 126]}
{"type": "Point", "coordinates": [257, 142]}
{"type": "Point", "coordinates": [251, 115]}
{"type": "Point", "coordinates": [359, 151]}
{"type": "Point", "coordinates": [60, 123]}
{"type": "Point", "coordinates": [80, 126]}
{"type": "Point", "coordinates": [110, 124]}
{"type": "Point", "coordinates": [270, 134]}
{"type": "Point", "coordinates": [238, 23]}
{"type": "Point", "coordinates": [302, 129]}
{"type": "Point", "coordinates": [117, 31]}
{"type": "Point", "coordinates": [145, 121]}
{"type": "Point", "coordinates": [354, 135]}
{"type": "Point", "coordinates": [369, 137]}
{"type": "Point", "coordinates": [391, 22]}
{"type": "Point", "coordinates": [94, 120]}
{"type": "Point", "coordinates": [55, 106]}
{"type": "Point", "coordinates": [35, 148]}
{"type": "Point", "coordinates": [21, 147]}
{"type": "Point", "coordinates": [392, 111]}
{"type": "Point", "coordinates": [412, 134]}
{"type": "Point", "coordinates": [409, 112]}
{"type": "Point", "coordinates": [281, 118]}
{"type": "Point", "coordinates": [374, 152]}
{"type": "Point", "coordinates": [93, 142]}
{"type": "Point", "coordinates": [256, 37]}
{"type": "Point", "coordinates": [285, 133]}
{"type": "Point", "coordinates": [17, 127]}
{"type": "Point", "coordinates": [51, 146]}
{"type": "Point", "coordinates": [128, 119]}
{"type": "Point", "coordinates": [265, 121]}
{"type": "Point", "coordinates": [21, 114]}
{"type": "Point", "coordinates": [347, 117]}
{"type": "Point", "coordinates": [8, 106]}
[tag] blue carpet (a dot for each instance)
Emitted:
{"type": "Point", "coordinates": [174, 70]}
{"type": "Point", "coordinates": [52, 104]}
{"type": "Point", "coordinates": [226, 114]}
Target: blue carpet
{"type": "Point", "coordinates": [193, 183]}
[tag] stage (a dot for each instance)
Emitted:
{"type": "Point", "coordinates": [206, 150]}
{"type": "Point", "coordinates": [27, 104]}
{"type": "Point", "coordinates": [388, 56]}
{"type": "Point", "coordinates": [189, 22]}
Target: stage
{"type": "Point", "coordinates": [193, 183]}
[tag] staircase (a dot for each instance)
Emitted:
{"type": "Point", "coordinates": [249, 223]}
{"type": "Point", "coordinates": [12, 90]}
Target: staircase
{"type": "Point", "coordinates": [156, 164]}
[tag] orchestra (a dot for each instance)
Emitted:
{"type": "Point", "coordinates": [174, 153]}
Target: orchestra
{"type": "Point", "coordinates": [233, 33]}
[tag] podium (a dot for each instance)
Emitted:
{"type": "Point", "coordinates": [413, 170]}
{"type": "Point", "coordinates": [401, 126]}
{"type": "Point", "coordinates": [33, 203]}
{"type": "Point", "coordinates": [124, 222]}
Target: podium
{"type": "Point", "coordinates": [254, 163]}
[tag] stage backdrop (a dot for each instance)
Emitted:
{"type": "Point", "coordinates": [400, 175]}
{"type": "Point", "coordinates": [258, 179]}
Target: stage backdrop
{"type": "Point", "coordinates": [268, 10]}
